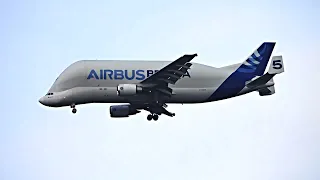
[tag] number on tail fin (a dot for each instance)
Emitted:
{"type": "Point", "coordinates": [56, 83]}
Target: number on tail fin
{"type": "Point", "coordinates": [277, 64]}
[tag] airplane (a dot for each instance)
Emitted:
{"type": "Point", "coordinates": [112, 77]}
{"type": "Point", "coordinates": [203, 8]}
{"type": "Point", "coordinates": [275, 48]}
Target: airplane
{"type": "Point", "coordinates": [151, 85]}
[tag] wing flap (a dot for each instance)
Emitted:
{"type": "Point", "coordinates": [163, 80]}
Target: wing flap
{"type": "Point", "coordinates": [184, 66]}
{"type": "Point", "coordinates": [166, 80]}
{"type": "Point", "coordinates": [173, 75]}
{"type": "Point", "coordinates": [176, 72]}
{"type": "Point", "coordinates": [166, 92]}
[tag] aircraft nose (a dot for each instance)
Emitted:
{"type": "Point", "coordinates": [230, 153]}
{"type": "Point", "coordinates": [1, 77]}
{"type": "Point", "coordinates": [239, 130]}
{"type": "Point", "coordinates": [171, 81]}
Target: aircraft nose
{"type": "Point", "coordinates": [41, 100]}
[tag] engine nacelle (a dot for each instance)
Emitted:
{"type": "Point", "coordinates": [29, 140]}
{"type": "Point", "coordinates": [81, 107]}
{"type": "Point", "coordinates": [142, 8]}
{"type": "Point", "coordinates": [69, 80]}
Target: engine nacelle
{"type": "Point", "coordinates": [122, 111]}
{"type": "Point", "coordinates": [128, 89]}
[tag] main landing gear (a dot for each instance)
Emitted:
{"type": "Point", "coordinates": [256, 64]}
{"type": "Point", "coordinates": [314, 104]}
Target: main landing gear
{"type": "Point", "coordinates": [153, 116]}
{"type": "Point", "coordinates": [156, 116]}
{"type": "Point", "coordinates": [74, 110]}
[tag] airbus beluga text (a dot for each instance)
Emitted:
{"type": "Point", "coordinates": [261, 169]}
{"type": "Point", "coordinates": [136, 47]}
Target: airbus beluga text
{"type": "Point", "coordinates": [151, 85]}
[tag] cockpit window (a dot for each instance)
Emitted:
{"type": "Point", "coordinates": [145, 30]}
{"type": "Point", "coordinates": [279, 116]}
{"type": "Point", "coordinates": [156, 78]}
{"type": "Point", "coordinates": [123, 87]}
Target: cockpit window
{"type": "Point", "coordinates": [49, 94]}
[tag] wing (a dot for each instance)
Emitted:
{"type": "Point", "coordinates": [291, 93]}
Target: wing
{"type": "Point", "coordinates": [170, 74]}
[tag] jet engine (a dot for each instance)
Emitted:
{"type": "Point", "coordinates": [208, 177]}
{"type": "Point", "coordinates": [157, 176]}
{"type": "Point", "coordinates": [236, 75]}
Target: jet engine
{"type": "Point", "coordinates": [128, 89]}
{"type": "Point", "coordinates": [122, 111]}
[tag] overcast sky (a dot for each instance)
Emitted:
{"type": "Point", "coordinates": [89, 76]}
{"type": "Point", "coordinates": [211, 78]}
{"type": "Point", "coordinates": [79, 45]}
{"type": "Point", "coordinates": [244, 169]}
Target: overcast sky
{"type": "Point", "coordinates": [248, 137]}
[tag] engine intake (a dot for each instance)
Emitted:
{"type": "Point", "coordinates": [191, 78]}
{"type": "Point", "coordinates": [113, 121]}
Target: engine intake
{"type": "Point", "coordinates": [122, 111]}
{"type": "Point", "coordinates": [128, 89]}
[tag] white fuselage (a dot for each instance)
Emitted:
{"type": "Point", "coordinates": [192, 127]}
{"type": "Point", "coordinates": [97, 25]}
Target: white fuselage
{"type": "Point", "coordinates": [96, 81]}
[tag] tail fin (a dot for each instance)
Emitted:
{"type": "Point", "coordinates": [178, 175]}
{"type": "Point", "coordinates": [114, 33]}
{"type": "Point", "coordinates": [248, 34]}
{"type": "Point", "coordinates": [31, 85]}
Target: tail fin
{"type": "Point", "coordinates": [276, 65]}
{"type": "Point", "coordinates": [256, 64]}
{"type": "Point", "coordinates": [253, 66]}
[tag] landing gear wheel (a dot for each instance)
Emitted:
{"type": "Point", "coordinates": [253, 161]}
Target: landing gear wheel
{"type": "Point", "coordinates": [74, 110]}
{"type": "Point", "coordinates": [149, 117]}
{"type": "Point", "coordinates": [155, 117]}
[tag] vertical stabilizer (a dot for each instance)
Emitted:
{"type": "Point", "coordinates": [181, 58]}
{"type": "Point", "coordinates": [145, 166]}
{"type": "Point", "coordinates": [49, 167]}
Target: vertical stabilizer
{"type": "Point", "coordinates": [253, 66]}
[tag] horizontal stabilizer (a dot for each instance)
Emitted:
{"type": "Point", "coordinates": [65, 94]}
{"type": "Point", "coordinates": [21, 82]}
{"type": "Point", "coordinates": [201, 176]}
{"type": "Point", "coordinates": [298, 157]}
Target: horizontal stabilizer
{"type": "Point", "coordinates": [267, 91]}
{"type": "Point", "coordinates": [260, 81]}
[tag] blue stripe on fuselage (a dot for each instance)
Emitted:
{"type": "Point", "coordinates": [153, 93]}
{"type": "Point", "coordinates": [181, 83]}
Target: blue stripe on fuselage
{"type": "Point", "coordinates": [231, 86]}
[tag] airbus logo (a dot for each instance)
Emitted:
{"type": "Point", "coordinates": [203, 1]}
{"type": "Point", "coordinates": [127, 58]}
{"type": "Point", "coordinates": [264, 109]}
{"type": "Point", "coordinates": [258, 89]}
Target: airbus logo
{"type": "Point", "coordinates": [123, 74]}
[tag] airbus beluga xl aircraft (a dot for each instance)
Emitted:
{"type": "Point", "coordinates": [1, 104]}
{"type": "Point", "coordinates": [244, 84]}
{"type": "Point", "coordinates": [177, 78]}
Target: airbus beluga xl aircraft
{"type": "Point", "coordinates": [151, 85]}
